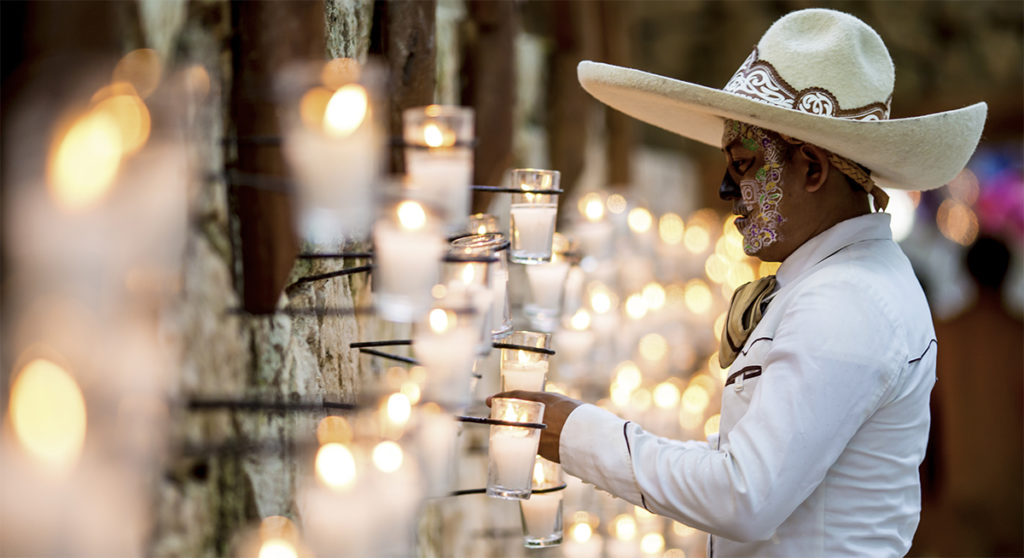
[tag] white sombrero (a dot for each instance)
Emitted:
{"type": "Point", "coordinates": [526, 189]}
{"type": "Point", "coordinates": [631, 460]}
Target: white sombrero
{"type": "Point", "coordinates": [821, 76]}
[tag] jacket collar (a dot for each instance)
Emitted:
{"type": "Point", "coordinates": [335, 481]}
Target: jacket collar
{"type": "Point", "coordinates": [873, 226]}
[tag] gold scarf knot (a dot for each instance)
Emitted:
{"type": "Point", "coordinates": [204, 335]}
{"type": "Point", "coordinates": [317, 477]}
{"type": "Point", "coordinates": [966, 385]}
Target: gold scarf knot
{"type": "Point", "coordinates": [745, 312]}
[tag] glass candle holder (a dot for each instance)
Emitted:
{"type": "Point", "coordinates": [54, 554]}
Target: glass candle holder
{"type": "Point", "coordinates": [408, 246]}
{"type": "Point", "coordinates": [483, 223]}
{"type": "Point", "coordinates": [494, 244]}
{"type": "Point", "coordinates": [333, 141]}
{"type": "Point", "coordinates": [443, 343]}
{"type": "Point", "coordinates": [542, 513]}
{"type": "Point", "coordinates": [547, 281]}
{"type": "Point", "coordinates": [439, 158]}
{"type": "Point", "coordinates": [521, 369]}
{"type": "Point", "coordinates": [510, 456]}
{"type": "Point", "coordinates": [532, 215]}
{"type": "Point", "coordinates": [467, 270]}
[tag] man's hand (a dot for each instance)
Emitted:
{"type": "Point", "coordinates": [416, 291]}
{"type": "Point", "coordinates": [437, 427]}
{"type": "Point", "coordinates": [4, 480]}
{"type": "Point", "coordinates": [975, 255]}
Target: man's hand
{"type": "Point", "coordinates": [556, 410]}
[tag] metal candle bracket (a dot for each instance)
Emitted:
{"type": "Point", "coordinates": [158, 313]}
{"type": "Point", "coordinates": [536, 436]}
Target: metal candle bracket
{"type": "Point", "coordinates": [504, 190]}
{"type": "Point", "coordinates": [498, 422]}
{"type": "Point", "coordinates": [484, 490]}
{"type": "Point", "coordinates": [400, 142]}
{"type": "Point", "coordinates": [527, 348]}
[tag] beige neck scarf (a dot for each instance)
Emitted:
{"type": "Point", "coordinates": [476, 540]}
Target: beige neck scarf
{"type": "Point", "coordinates": [745, 312]}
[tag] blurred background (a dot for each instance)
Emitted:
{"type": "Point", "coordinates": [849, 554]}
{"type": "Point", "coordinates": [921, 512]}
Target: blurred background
{"type": "Point", "coordinates": [147, 260]}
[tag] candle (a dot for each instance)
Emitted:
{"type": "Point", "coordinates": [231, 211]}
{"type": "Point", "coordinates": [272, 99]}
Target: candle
{"type": "Point", "coordinates": [438, 159]}
{"type": "Point", "coordinates": [512, 448]}
{"type": "Point", "coordinates": [546, 282]}
{"type": "Point", "coordinates": [444, 344]}
{"type": "Point", "coordinates": [575, 338]}
{"type": "Point", "coordinates": [407, 259]}
{"type": "Point", "coordinates": [522, 369]}
{"type": "Point", "coordinates": [533, 226]}
{"type": "Point", "coordinates": [542, 513]}
{"type": "Point", "coordinates": [493, 246]}
{"type": "Point", "coordinates": [532, 215]}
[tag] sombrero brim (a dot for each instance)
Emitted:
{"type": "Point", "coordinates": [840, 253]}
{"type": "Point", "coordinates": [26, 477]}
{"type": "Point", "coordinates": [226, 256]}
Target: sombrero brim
{"type": "Point", "coordinates": [918, 153]}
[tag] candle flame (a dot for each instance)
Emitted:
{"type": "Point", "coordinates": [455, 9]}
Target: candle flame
{"type": "Point", "coordinates": [514, 412]}
{"type": "Point", "coordinates": [399, 409]}
{"type": "Point", "coordinates": [671, 229]}
{"type": "Point", "coordinates": [580, 320]}
{"type": "Point", "coordinates": [411, 215]}
{"type": "Point", "coordinates": [468, 273]}
{"type": "Point", "coordinates": [346, 110]}
{"type": "Point", "coordinates": [433, 136]}
{"type": "Point", "coordinates": [335, 465]}
{"type": "Point", "coordinates": [666, 395]}
{"type": "Point", "coordinates": [581, 532]}
{"type": "Point", "coordinates": [654, 295]}
{"type": "Point", "coordinates": [84, 161]}
{"type": "Point", "coordinates": [48, 414]}
{"type": "Point", "coordinates": [652, 543]}
{"type": "Point", "coordinates": [142, 68]}
{"type": "Point", "coordinates": [624, 527]}
{"type": "Point", "coordinates": [636, 306]}
{"type": "Point", "coordinates": [592, 207]}
{"type": "Point", "coordinates": [538, 473]}
{"type": "Point", "coordinates": [387, 456]}
{"type": "Point", "coordinates": [639, 220]}
{"type": "Point", "coordinates": [277, 548]}
{"type": "Point", "coordinates": [628, 375]}
{"type": "Point", "coordinates": [333, 429]}
{"type": "Point", "coordinates": [524, 357]}
{"type": "Point", "coordinates": [601, 301]}
{"type": "Point", "coordinates": [439, 320]}
{"type": "Point", "coordinates": [131, 116]}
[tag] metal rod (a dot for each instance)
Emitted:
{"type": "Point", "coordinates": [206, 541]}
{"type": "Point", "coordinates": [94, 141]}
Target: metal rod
{"type": "Point", "coordinates": [496, 422]}
{"type": "Point", "coordinates": [466, 491]}
{"type": "Point", "coordinates": [336, 255]}
{"type": "Point", "coordinates": [526, 348]}
{"type": "Point", "coordinates": [304, 312]}
{"type": "Point", "coordinates": [503, 190]}
{"type": "Point", "coordinates": [384, 343]}
{"type": "Point", "coordinates": [381, 354]}
{"type": "Point", "coordinates": [200, 404]}
{"type": "Point", "coordinates": [333, 274]}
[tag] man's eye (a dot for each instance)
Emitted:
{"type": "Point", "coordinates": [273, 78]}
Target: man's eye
{"type": "Point", "coordinates": [741, 166]}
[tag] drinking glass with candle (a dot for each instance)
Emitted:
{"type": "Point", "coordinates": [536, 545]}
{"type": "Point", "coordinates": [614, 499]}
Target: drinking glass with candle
{"type": "Point", "coordinates": [542, 513]}
{"type": "Point", "coordinates": [512, 450]}
{"type": "Point", "coordinates": [439, 158]}
{"type": "Point", "coordinates": [408, 246]}
{"type": "Point", "coordinates": [525, 369]}
{"type": "Point", "coordinates": [483, 223]}
{"type": "Point", "coordinates": [532, 215]}
{"type": "Point", "coordinates": [495, 244]}
{"type": "Point", "coordinates": [546, 285]}
{"type": "Point", "coordinates": [467, 270]}
{"type": "Point", "coordinates": [444, 343]}
{"type": "Point", "coordinates": [333, 141]}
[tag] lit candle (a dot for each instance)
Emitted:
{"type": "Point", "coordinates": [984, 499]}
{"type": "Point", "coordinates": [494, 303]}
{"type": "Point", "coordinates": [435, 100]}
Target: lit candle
{"type": "Point", "coordinates": [491, 245]}
{"type": "Point", "coordinates": [542, 513]}
{"type": "Point", "coordinates": [593, 231]}
{"type": "Point", "coordinates": [407, 260]}
{"type": "Point", "coordinates": [438, 159]}
{"type": "Point", "coordinates": [546, 285]}
{"type": "Point", "coordinates": [532, 215]}
{"type": "Point", "coordinates": [512, 448]}
{"type": "Point", "coordinates": [575, 338]}
{"type": "Point", "coordinates": [521, 369]}
{"type": "Point", "coordinates": [444, 344]}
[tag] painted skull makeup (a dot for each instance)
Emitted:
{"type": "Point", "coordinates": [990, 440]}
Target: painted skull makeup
{"type": "Point", "coordinates": [761, 195]}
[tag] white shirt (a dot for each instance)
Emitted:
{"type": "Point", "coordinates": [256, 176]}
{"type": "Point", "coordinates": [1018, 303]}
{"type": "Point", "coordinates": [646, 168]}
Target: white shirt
{"type": "Point", "coordinates": [824, 417]}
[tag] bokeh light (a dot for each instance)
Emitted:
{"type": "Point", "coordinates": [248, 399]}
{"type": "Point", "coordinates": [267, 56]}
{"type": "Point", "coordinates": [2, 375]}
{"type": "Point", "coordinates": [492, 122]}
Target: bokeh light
{"type": "Point", "coordinates": [388, 456]}
{"type": "Point", "coordinates": [335, 465]}
{"type": "Point", "coordinates": [48, 414]}
{"type": "Point", "coordinates": [671, 229]}
{"type": "Point", "coordinates": [84, 161]}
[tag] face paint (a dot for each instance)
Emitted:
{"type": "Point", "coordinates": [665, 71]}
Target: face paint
{"type": "Point", "coordinates": [761, 194]}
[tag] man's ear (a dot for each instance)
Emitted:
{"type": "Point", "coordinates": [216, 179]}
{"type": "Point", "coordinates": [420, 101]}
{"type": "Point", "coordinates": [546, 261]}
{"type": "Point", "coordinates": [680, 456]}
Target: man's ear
{"type": "Point", "coordinates": [818, 166]}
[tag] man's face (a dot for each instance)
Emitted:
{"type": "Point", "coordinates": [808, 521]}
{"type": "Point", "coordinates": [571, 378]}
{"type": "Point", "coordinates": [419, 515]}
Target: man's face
{"type": "Point", "coordinates": [757, 164]}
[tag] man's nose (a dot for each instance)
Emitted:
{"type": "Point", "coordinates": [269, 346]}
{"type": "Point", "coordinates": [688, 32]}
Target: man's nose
{"type": "Point", "coordinates": [729, 190]}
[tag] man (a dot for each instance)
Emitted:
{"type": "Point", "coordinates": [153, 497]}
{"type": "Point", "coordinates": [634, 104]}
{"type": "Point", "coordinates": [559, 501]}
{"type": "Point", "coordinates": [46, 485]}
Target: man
{"type": "Point", "coordinates": [831, 362]}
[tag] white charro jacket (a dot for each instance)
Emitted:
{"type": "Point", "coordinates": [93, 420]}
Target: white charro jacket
{"type": "Point", "coordinates": [824, 416]}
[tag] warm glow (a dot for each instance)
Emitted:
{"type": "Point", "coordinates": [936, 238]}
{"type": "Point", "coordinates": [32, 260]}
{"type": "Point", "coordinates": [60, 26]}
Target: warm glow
{"type": "Point", "coordinates": [197, 80]}
{"type": "Point", "coordinates": [538, 473]}
{"type": "Point", "coordinates": [731, 244]}
{"type": "Point", "coordinates": [434, 136]}
{"type": "Point", "coordinates": [553, 387]}
{"type": "Point", "coordinates": [47, 412]}
{"type": "Point", "coordinates": [716, 371]}
{"type": "Point", "coordinates": [439, 320]}
{"type": "Point", "coordinates": [690, 420]}
{"type": "Point", "coordinates": [739, 274]}
{"type": "Point", "coordinates": [653, 347]}
{"type": "Point", "coordinates": [957, 222]}
{"type": "Point", "coordinates": [716, 267]}
{"type": "Point", "coordinates": [339, 71]}
{"type": "Point", "coordinates": [438, 291]}
{"type": "Point", "coordinates": [132, 119]}
{"type": "Point", "coordinates": [399, 409]}
{"type": "Point", "coordinates": [411, 215]}
{"type": "Point", "coordinates": [695, 399]}
{"type": "Point", "coordinates": [387, 456]}
{"type": "Point", "coordinates": [591, 207]}
{"type": "Point", "coordinates": [696, 239]}
{"type": "Point", "coordinates": [141, 68]}
{"type": "Point", "coordinates": [765, 269]}
{"type": "Point", "coordinates": [412, 391]}
{"type": "Point", "coordinates": [85, 160]}
{"type": "Point", "coordinates": [627, 375]}
{"type": "Point", "coordinates": [698, 296]}
{"type": "Point", "coordinates": [468, 273]}
{"type": "Point", "coordinates": [335, 466]}
{"type": "Point", "coordinates": [901, 207]}
{"type": "Point", "coordinates": [636, 306]}
{"type": "Point", "coordinates": [333, 430]}
{"type": "Point", "coordinates": [580, 320]}
{"type": "Point", "coordinates": [652, 543]}
{"type": "Point", "coordinates": [711, 426]}
{"type": "Point", "coordinates": [601, 299]}
{"type": "Point", "coordinates": [641, 399]}
{"type": "Point", "coordinates": [682, 530]}
{"type": "Point", "coordinates": [964, 188]}
{"type": "Point", "coordinates": [620, 394]}
{"type": "Point", "coordinates": [671, 229]}
{"type": "Point", "coordinates": [278, 527]}
{"type": "Point", "coordinates": [674, 553]}
{"type": "Point", "coordinates": [581, 532]}
{"type": "Point", "coordinates": [616, 203]}
{"type": "Point", "coordinates": [639, 220]}
{"type": "Point", "coordinates": [666, 395]}
{"type": "Point", "coordinates": [642, 514]}
{"type": "Point", "coordinates": [277, 548]}
{"type": "Point", "coordinates": [654, 295]}
{"type": "Point", "coordinates": [624, 527]}
{"type": "Point", "coordinates": [313, 107]}
{"type": "Point", "coordinates": [514, 412]}
{"type": "Point", "coordinates": [346, 110]}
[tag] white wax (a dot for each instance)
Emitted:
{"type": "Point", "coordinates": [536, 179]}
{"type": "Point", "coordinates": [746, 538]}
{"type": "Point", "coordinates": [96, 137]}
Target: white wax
{"type": "Point", "coordinates": [407, 264]}
{"type": "Point", "coordinates": [499, 304]}
{"type": "Point", "coordinates": [546, 282]}
{"type": "Point", "coordinates": [448, 358]}
{"type": "Point", "coordinates": [540, 514]}
{"type": "Point", "coordinates": [512, 454]}
{"type": "Point", "coordinates": [533, 228]}
{"type": "Point", "coordinates": [523, 375]}
{"type": "Point", "coordinates": [445, 175]}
